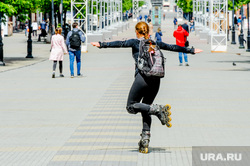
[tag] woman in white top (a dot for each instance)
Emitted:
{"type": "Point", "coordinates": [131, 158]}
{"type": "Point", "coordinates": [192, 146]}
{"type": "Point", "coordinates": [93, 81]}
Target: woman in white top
{"type": "Point", "coordinates": [58, 48]}
{"type": "Point", "coordinates": [34, 28]}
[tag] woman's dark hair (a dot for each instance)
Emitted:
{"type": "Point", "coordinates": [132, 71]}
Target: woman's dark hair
{"type": "Point", "coordinates": [75, 24]}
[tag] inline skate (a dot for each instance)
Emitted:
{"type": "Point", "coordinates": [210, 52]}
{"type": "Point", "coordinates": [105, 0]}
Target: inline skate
{"type": "Point", "coordinates": [162, 112]}
{"type": "Point", "coordinates": [144, 142]}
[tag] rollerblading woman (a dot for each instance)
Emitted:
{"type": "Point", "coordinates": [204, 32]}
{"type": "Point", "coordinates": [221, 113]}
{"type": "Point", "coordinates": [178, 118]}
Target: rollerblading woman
{"type": "Point", "coordinates": [144, 88]}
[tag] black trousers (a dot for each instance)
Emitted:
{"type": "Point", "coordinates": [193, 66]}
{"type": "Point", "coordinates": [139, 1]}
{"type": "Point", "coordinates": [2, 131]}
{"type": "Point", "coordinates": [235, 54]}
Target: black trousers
{"type": "Point", "coordinates": [60, 66]}
{"type": "Point", "coordinates": [141, 96]}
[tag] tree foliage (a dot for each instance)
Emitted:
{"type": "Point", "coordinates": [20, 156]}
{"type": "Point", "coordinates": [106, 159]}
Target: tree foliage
{"type": "Point", "coordinates": [126, 5]}
{"type": "Point", "coordinates": [185, 5]}
{"type": "Point", "coordinates": [7, 8]}
{"type": "Point", "coordinates": [237, 4]}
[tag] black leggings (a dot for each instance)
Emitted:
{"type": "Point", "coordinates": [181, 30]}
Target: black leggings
{"type": "Point", "coordinates": [144, 89]}
{"type": "Point", "coordinates": [60, 66]}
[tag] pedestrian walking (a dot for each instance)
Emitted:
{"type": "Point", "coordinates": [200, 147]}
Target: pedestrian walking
{"type": "Point", "coordinates": [192, 25]}
{"type": "Point", "coordinates": [73, 41]}
{"type": "Point", "coordinates": [175, 23]}
{"type": "Point", "coordinates": [43, 30]}
{"type": "Point", "coordinates": [34, 28]}
{"type": "Point", "coordinates": [235, 20]}
{"type": "Point", "coordinates": [58, 49]}
{"type": "Point", "coordinates": [239, 20]}
{"type": "Point", "coordinates": [145, 88]}
{"type": "Point", "coordinates": [140, 17]}
{"type": "Point", "coordinates": [145, 17]}
{"type": "Point", "coordinates": [149, 19]}
{"type": "Point", "coordinates": [164, 16]}
{"type": "Point", "coordinates": [158, 35]}
{"type": "Point", "coordinates": [185, 26]}
{"type": "Point", "coordinates": [26, 28]}
{"type": "Point", "coordinates": [180, 34]}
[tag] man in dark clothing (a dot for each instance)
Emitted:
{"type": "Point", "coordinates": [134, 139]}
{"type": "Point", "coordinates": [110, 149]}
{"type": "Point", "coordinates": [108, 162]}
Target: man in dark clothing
{"type": "Point", "coordinates": [235, 21]}
{"type": "Point", "coordinates": [185, 26]}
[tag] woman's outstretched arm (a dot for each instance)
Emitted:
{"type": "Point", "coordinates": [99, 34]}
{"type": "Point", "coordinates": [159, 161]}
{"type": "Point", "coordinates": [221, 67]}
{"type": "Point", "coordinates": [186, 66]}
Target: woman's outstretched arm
{"type": "Point", "coordinates": [115, 44]}
{"type": "Point", "coordinates": [171, 47]}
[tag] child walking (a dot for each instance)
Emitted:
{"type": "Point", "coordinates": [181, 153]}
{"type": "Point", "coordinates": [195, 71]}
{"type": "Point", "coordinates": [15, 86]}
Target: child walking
{"type": "Point", "coordinates": [58, 48]}
{"type": "Point", "coordinates": [144, 89]}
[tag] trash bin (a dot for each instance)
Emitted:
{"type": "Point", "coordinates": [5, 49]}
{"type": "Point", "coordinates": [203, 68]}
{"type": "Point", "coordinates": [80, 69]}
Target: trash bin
{"type": "Point", "coordinates": [10, 28]}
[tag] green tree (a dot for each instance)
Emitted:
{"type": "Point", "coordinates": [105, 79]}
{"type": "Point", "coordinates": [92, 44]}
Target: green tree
{"type": "Point", "coordinates": [185, 5]}
{"type": "Point", "coordinates": [7, 8]}
{"type": "Point", "coordinates": [126, 5]}
{"type": "Point", "coordinates": [237, 4]}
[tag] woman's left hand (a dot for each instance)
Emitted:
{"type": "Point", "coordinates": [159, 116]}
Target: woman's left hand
{"type": "Point", "coordinates": [196, 50]}
{"type": "Point", "coordinates": [97, 44]}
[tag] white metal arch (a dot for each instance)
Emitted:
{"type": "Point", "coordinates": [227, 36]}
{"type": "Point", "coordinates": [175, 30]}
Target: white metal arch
{"type": "Point", "coordinates": [78, 15]}
{"type": "Point", "coordinates": [218, 25]}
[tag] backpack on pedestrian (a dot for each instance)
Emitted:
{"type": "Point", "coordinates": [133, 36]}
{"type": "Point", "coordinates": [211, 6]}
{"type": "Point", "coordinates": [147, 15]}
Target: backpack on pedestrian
{"type": "Point", "coordinates": [75, 40]}
{"type": "Point", "coordinates": [150, 60]}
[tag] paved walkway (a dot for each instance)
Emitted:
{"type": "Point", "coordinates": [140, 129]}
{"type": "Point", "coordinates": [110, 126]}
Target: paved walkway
{"type": "Point", "coordinates": [83, 121]}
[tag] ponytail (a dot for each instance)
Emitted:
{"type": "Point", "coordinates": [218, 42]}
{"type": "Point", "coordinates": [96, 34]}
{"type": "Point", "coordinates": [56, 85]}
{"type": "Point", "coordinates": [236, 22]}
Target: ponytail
{"type": "Point", "coordinates": [142, 28]}
{"type": "Point", "coordinates": [58, 31]}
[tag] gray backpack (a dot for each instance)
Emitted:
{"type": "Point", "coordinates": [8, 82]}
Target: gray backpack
{"type": "Point", "coordinates": [150, 60]}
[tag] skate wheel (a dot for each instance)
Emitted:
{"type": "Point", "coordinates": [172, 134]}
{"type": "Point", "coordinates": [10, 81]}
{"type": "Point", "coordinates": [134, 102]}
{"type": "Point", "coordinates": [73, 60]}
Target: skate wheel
{"type": "Point", "coordinates": [169, 113]}
{"type": "Point", "coordinates": [169, 119]}
{"type": "Point", "coordinates": [168, 106]}
{"type": "Point", "coordinates": [144, 151]}
{"type": "Point", "coordinates": [169, 125]}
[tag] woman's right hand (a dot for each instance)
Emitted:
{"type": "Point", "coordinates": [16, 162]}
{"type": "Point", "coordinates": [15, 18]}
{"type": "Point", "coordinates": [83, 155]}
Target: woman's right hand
{"type": "Point", "coordinates": [96, 44]}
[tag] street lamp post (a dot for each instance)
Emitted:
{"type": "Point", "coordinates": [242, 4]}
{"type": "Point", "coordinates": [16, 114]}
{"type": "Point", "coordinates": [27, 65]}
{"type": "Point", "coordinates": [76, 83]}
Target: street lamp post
{"type": "Point", "coordinates": [233, 29]}
{"type": "Point", "coordinates": [241, 31]}
{"type": "Point", "coordinates": [52, 17]}
{"type": "Point", "coordinates": [1, 42]}
{"type": "Point", "coordinates": [248, 31]}
{"type": "Point", "coordinates": [29, 48]}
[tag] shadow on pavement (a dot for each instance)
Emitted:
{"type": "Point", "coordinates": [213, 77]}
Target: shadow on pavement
{"type": "Point", "coordinates": [12, 60]}
{"type": "Point", "coordinates": [155, 150]}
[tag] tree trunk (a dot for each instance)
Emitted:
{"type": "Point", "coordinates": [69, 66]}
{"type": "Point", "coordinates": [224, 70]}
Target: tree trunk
{"type": "Point", "coordinates": [64, 19]}
{"type": "Point", "coordinates": [59, 19]}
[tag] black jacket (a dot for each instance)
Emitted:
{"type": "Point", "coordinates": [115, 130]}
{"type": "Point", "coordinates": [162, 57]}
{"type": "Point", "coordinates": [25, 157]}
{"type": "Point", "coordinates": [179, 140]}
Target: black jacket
{"type": "Point", "coordinates": [134, 43]}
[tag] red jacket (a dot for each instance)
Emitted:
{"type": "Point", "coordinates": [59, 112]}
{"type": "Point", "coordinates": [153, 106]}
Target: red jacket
{"type": "Point", "coordinates": [181, 36]}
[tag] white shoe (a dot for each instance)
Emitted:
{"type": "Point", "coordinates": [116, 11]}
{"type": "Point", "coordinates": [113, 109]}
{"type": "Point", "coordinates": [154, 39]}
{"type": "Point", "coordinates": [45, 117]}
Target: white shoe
{"type": "Point", "coordinates": [180, 64]}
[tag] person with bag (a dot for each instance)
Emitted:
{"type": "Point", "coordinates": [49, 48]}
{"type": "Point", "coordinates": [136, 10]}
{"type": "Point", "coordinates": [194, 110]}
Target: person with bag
{"type": "Point", "coordinates": [74, 41]}
{"type": "Point", "coordinates": [181, 37]}
{"type": "Point", "coordinates": [149, 69]}
{"type": "Point", "coordinates": [58, 49]}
